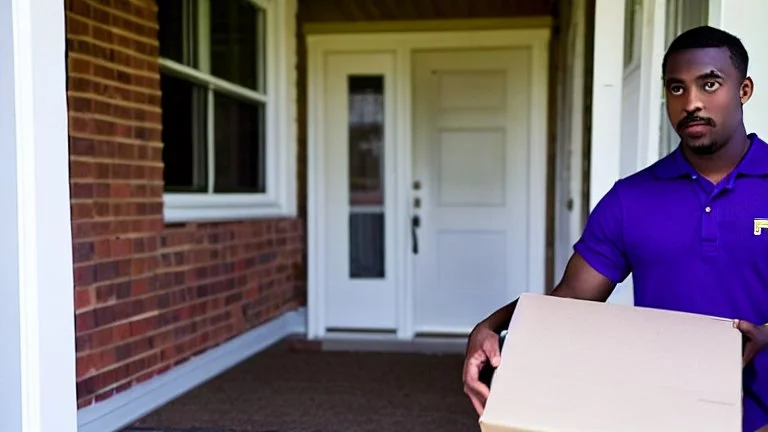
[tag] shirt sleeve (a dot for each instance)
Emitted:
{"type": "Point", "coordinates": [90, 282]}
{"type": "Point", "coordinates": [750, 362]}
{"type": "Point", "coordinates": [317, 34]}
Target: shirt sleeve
{"type": "Point", "coordinates": [602, 242]}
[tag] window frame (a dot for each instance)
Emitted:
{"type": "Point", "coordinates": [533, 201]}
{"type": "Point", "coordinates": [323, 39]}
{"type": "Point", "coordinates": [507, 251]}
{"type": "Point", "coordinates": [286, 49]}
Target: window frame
{"type": "Point", "coordinates": [278, 96]}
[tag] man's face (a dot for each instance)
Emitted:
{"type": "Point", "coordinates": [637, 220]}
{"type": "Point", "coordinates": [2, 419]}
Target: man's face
{"type": "Point", "coordinates": [705, 93]}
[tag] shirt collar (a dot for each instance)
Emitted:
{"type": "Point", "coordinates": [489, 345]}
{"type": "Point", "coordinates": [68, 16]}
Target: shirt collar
{"type": "Point", "coordinates": [754, 162]}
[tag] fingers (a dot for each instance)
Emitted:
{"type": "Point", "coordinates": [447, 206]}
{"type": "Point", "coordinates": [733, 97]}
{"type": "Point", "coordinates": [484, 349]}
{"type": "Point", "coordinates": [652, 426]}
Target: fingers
{"type": "Point", "coordinates": [473, 387]}
{"type": "Point", "coordinates": [754, 339]}
{"type": "Point", "coordinates": [478, 395]}
{"type": "Point", "coordinates": [745, 327]}
{"type": "Point", "coordinates": [478, 403]}
{"type": "Point", "coordinates": [749, 352]}
{"type": "Point", "coordinates": [483, 349]}
{"type": "Point", "coordinates": [491, 349]}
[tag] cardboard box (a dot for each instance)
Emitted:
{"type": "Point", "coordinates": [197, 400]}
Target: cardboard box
{"type": "Point", "coordinates": [573, 365]}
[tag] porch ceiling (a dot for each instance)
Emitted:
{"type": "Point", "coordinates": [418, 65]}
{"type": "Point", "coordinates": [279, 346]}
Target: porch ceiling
{"type": "Point", "coordinates": [403, 10]}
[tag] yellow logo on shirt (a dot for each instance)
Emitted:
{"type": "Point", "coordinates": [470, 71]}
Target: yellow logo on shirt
{"type": "Point", "coordinates": [759, 224]}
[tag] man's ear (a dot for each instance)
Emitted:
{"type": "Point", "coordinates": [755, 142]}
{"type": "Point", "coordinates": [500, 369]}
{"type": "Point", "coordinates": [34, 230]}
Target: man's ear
{"type": "Point", "coordinates": [745, 92]}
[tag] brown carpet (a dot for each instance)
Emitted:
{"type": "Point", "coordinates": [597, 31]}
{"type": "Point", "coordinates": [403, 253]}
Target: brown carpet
{"type": "Point", "coordinates": [281, 390]}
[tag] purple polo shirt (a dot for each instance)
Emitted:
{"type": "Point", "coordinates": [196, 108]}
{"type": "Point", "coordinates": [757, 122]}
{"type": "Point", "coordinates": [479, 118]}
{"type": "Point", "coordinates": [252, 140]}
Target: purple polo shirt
{"type": "Point", "coordinates": [692, 246]}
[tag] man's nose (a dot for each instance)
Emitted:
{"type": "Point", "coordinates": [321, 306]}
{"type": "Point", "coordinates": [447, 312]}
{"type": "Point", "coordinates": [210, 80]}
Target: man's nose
{"type": "Point", "coordinates": [693, 102]}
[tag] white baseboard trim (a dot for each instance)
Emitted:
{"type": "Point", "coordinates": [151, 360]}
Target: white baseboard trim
{"type": "Point", "coordinates": [124, 408]}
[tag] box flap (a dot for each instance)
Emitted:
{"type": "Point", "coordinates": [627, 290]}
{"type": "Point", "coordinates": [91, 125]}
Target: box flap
{"type": "Point", "coordinates": [574, 365]}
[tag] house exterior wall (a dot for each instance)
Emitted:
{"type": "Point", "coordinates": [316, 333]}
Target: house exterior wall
{"type": "Point", "coordinates": [150, 295]}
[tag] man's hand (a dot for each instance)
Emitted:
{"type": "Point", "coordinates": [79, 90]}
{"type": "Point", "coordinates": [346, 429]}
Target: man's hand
{"type": "Point", "coordinates": [483, 347]}
{"type": "Point", "coordinates": [757, 336]}
{"type": "Point", "coordinates": [580, 281]}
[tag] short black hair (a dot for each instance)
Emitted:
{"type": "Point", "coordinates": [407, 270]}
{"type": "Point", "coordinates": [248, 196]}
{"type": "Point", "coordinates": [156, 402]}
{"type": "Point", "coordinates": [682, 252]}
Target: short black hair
{"type": "Point", "coordinates": [710, 37]}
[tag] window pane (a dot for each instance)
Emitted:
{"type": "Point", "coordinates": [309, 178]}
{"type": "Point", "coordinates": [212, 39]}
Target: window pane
{"type": "Point", "coordinates": [184, 134]}
{"type": "Point", "coordinates": [366, 176]}
{"type": "Point", "coordinates": [239, 143]}
{"type": "Point", "coordinates": [237, 42]}
{"type": "Point", "coordinates": [177, 32]}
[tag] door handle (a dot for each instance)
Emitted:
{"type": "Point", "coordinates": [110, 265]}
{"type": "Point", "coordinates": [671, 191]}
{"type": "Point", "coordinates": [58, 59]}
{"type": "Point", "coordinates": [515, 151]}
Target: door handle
{"type": "Point", "coordinates": [415, 223]}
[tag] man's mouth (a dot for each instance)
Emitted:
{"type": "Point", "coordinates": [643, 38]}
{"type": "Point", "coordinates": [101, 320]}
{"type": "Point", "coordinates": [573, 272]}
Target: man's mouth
{"type": "Point", "coordinates": [696, 125]}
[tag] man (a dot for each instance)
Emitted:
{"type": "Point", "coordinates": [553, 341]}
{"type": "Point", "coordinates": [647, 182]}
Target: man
{"type": "Point", "coordinates": [692, 229]}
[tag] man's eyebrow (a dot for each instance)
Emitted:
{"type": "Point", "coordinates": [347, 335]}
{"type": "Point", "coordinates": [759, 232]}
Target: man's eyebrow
{"type": "Point", "coordinates": [711, 74]}
{"type": "Point", "coordinates": [707, 75]}
{"type": "Point", "coordinates": [673, 80]}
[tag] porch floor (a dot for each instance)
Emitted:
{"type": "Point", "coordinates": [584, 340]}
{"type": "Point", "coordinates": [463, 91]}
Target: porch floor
{"type": "Point", "coordinates": [285, 389]}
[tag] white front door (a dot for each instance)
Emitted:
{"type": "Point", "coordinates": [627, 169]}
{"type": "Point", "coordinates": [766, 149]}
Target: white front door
{"type": "Point", "coordinates": [471, 123]}
{"type": "Point", "coordinates": [359, 191]}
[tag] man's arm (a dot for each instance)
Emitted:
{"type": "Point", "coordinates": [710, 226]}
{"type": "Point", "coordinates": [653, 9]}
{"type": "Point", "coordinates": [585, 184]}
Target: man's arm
{"type": "Point", "coordinates": [579, 281]}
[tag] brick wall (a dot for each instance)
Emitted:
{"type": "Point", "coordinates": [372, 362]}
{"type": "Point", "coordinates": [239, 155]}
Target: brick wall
{"type": "Point", "coordinates": [149, 296]}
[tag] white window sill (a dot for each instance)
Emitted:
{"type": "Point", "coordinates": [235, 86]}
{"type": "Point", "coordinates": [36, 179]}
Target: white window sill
{"type": "Point", "coordinates": [192, 207]}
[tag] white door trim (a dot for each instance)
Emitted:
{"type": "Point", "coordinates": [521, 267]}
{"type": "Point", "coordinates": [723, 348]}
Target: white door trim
{"type": "Point", "coordinates": [37, 314]}
{"type": "Point", "coordinates": [607, 90]}
{"type": "Point", "coordinates": [403, 44]}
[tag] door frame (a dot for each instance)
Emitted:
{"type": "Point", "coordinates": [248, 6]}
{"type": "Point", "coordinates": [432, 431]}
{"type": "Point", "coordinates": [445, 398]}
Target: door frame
{"type": "Point", "coordinates": [403, 44]}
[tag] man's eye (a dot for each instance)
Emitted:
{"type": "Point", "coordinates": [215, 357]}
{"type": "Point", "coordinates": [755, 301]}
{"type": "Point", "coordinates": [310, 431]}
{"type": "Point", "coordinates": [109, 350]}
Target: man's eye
{"type": "Point", "coordinates": [711, 86]}
{"type": "Point", "coordinates": [676, 89]}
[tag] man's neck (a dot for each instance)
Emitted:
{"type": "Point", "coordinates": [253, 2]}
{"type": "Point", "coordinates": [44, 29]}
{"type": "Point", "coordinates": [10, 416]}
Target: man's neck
{"type": "Point", "coordinates": [717, 166]}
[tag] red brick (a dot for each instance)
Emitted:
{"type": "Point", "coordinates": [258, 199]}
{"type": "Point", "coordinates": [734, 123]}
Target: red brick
{"type": "Point", "coordinates": [84, 366]}
{"type": "Point", "coordinates": [82, 298]}
{"type": "Point", "coordinates": [82, 403]}
{"type": "Point", "coordinates": [77, 26]}
{"type": "Point", "coordinates": [84, 321]}
{"type": "Point", "coordinates": [103, 337]}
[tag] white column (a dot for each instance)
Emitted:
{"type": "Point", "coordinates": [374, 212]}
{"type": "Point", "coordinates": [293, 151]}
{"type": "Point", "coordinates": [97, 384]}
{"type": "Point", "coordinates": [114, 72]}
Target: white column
{"type": "Point", "coordinates": [607, 110]}
{"type": "Point", "coordinates": [746, 20]}
{"type": "Point", "coordinates": [608, 75]}
{"type": "Point", "coordinates": [650, 116]}
{"type": "Point", "coordinates": [37, 362]}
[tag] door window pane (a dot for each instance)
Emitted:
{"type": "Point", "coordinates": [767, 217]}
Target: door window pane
{"type": "Point", "coordinates": [366, 176]}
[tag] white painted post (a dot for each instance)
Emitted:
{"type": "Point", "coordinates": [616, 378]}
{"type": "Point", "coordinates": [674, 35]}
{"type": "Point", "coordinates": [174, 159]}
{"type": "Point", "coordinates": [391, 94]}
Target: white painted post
{"type": "Point", "coordinates": [37, 363]}
{"type": "Point", "coordinates": [608, 76]}
{"type": "Point", "coordinates": [607, 103]}
{"type": "Point", "coordinates": [650, 115]}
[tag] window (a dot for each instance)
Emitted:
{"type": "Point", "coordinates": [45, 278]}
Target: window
{"type": "Point", "coordinates": [225, 71]}
{"type": "Point", "coordinates": [681, 16]}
